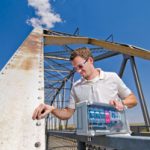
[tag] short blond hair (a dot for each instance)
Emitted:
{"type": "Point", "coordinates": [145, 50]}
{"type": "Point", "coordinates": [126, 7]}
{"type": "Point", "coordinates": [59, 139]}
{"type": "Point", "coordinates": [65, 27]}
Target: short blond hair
{"type": "Point", "coordinates": [83, 52]}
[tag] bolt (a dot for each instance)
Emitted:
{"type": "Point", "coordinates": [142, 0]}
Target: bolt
{"type": "Point", "coordinates": [38, 123]}
{"type": "Point", "coordinates": [37, 144]}
{"type": "Point", "coordinates": [39, 97]}
{"type": "Point", "coordinates": [89, 139]}
{"type": "Point", "coordinates": [39, 82]}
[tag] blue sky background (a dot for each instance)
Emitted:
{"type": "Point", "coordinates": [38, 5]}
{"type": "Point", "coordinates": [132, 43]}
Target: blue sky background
{"type": "Point", "coordinates": [128, 21]}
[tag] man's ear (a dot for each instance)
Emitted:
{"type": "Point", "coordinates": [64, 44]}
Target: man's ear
{"type": "Point", "coordinates": [91, 60]}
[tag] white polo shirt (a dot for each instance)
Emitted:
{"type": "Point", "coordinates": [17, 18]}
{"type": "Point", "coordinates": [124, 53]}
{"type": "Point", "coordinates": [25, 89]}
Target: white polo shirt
{"type": "Point", "coordinates": [105, 87]}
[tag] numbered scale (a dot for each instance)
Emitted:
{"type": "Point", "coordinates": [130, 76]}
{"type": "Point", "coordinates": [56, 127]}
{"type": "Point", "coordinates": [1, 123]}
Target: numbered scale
{"type": "Point", "coordinates": [100, 119]}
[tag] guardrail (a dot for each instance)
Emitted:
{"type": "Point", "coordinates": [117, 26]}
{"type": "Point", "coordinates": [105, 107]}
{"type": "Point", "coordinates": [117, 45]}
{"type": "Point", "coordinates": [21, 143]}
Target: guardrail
{"type": "Point", "coordinates": [118, 142]}
{"type": "Point", "coordinates": [140, 130]}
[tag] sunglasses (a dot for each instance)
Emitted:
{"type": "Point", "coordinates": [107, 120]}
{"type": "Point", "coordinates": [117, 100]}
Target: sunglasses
{"type": "Point", "coordinates": [80, 66]}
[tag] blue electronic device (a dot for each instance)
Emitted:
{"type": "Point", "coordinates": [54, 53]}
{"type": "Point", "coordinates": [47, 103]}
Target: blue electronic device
{"type": "Point", "coordinates": [100, 119]}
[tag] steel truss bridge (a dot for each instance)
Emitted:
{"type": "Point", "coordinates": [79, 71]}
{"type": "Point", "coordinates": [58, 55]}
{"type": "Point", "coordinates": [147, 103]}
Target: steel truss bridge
{"type": "Point", "coordinates": [40, 71]}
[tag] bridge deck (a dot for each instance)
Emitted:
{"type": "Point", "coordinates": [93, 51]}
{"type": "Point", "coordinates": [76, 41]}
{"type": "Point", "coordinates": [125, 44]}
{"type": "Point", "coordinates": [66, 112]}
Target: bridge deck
{"type": "Point", "coordinates": [59, 143]}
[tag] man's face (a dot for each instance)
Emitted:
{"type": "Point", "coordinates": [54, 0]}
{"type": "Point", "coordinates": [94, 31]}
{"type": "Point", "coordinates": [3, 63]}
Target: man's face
{"type": "Point", "coordinates": [82, 66]}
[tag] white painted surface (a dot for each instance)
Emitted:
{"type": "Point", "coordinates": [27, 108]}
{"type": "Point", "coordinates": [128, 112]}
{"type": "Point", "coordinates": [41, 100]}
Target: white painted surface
{"type": "Point", "coordinates": [21, 90]}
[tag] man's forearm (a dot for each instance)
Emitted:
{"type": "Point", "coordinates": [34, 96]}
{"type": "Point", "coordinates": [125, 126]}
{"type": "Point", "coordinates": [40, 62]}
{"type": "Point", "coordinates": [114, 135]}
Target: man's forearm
{"type": "Point", "coordinates": [130, 101]}
{"type": "Point", "coordinates": [63, 114]}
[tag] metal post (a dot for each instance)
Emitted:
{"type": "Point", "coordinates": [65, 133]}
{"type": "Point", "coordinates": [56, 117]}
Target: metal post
{"type": "Point", "coordinates": [46, 132]}
{"type": "Point", "coordinates": [72, 81]}
{"type": "Point", "coordinates": [60, 106]}
{"type": "Point", "coordinates": [81, 145]}
{"type": "Point", "coordinates": [124, 62]}
{"type": "Point", "coordinates": [140, 92]}
{"type": "Point", "coordinates": [63, 102]}
{"type": "Point", "coordinates": [57, 120]}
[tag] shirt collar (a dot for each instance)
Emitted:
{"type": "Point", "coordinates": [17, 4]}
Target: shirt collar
{"type": "Point", "coordinates": [100, 77]}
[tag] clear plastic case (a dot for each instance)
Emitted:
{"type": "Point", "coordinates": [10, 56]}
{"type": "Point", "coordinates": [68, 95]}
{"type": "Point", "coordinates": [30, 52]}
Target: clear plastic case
{"type": "Point", "coordinates": [100, 119]}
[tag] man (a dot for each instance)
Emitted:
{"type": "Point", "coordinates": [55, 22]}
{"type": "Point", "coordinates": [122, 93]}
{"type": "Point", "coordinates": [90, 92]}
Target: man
{"type": "Point", "coordinates": [94, 85]}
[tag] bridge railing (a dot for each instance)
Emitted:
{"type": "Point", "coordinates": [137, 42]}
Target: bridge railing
{"type": "Point", "coordinates": [140, 130]}
{"type": "Point", "coordinates": [117, 142]}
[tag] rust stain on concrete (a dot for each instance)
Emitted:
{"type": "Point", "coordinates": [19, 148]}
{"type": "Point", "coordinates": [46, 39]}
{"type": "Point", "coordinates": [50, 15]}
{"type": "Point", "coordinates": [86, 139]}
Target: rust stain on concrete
{"type": "Point", "coordinates": [27, 64]}
{"type": "Point", "coordinates": [32, 44]}
{"type": "Point", "coordinates": [29, 55]}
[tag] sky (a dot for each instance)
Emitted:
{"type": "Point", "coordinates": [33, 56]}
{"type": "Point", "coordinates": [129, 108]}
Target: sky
{"type": "Point", "coordinates": [128, 21]}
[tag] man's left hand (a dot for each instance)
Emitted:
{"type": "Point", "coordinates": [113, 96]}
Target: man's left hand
{"type": "Point", "coordinates": [117, 104]}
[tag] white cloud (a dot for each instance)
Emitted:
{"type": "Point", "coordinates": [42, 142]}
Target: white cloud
{"type": "Point", "coordinates": [45, 15]}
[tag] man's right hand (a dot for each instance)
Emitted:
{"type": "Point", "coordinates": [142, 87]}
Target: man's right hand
{"type": "Point", "coordinates": [41, 111]}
